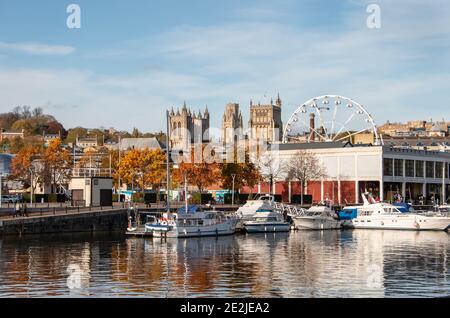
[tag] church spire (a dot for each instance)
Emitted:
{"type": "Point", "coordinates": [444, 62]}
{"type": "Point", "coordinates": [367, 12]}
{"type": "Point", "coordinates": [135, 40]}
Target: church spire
{"type": "Point", "coordinates": [279, 102]}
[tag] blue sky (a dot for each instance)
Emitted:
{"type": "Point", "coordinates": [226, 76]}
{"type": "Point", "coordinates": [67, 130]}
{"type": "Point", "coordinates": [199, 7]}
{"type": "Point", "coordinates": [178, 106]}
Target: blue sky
{"type": "Point", "coordinates": [131, 60]}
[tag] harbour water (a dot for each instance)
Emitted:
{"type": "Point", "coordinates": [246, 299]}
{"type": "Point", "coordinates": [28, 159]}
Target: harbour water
{"type": "Point", "coordinates": [298, 264]}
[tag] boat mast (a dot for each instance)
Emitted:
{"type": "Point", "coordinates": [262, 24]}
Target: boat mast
{"type": "Point", "coordinates": [185, 194]}
{"type": "Point", "coordinates": [167, 161]}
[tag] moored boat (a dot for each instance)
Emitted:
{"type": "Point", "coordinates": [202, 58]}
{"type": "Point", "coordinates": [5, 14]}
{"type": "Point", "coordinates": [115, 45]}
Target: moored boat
{"type": "Point", "coordinates": [388, 217]}
{"type": "Point", "coordinates": [266, 220]}
{"type": "Point", "coordinates": [317, 218]}
{"type": "Point", "coordinates": [195, 223]}
{"type": "Point", "coordinates": [248, 210]}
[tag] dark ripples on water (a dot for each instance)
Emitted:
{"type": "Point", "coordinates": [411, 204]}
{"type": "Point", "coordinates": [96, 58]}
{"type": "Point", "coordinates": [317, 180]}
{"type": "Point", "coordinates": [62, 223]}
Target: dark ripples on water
{"type": "Point", "coordinates": [303, 264]}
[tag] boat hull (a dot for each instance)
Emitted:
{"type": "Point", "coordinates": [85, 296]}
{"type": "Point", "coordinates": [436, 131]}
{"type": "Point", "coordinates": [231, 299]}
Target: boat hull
{"type": "Point", "coordinates": [404, 222]}
{"type": "Point", "coordinates": [221, 229]}
{"type": "Point", "coordinates": [309, 223]}
{"type": "Point", "coordinates": [265, 228]}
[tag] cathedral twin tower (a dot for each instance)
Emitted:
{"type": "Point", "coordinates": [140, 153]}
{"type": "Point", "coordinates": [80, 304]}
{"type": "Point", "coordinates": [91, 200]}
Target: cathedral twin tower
{"type": "Point", "coordinates": [265, 123]}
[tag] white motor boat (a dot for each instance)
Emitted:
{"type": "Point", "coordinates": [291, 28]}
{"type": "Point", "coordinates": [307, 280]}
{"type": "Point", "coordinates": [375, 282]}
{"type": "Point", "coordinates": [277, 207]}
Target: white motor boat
{"type": "Point", "coordinates": [387, 217]}
{"type": "Point", "coordinates": [266, 220]}
{"type": "Point", "coordinates": [248, 211]}
{"type": "Point", "coordinates": [196, 223]}
{"type": "Point", "coordinates": [317, 218]}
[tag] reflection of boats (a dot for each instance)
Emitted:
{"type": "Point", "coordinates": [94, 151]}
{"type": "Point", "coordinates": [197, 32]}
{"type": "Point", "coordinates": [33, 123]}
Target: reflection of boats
{"type": "Point", "coordinates": [387, 216]}
{"type": "Point", "coordinates": [248, 211]}
{"type": "Point", "coordinates": [317, 218]}
{"type": "Point", "coordinates": [194, 223]}
{"type": "Point", "coordinates": [266, 220]}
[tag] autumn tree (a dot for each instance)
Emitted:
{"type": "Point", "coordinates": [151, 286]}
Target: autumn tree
{"type": "Point", "coordinates": [199, 172]}
{"type": "Point", "coordinates": [246, 174]}
{"type": "Point", "coordinates": [23, 162]}
{"type": "Point", "coordinates": [270, 167]}
{"type": "Point", "coordinates": [56, 164]}
{"type": "Point", "coordinates": [303, 167]}
{"type": "Point", "coordinates": [145, 167]}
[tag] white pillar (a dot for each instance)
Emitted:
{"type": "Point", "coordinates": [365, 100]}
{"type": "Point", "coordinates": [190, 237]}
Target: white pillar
{"type": "Point", "coordinates": [321, 191]}
{"type": "Point", "coordinates": [259, 188]}
{"type": "Point", "coordinates": [339, 192]}
{"type": "Point", "coordinates": [290, 191]}
{"type": "Point", "coordinates": [444, 197]}
{"type": "Point", "coordinates": [381, 190]}
{"type": "Point", "coordinates": [404, 190]}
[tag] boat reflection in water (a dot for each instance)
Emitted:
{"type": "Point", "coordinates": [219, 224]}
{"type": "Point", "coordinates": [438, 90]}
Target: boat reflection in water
{"type": "Point", "coordinates": [355, 263]}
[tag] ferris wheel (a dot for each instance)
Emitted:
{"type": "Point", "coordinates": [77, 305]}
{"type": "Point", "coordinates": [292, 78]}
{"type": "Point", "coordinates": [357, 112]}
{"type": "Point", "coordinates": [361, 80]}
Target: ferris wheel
{"type": "Point", "coordinates": [329, 118]}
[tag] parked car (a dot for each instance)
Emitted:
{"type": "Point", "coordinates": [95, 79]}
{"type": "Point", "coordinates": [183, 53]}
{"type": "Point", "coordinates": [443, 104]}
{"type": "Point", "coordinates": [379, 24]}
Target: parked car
{"type": "Point", "coordinates": [11, 198]}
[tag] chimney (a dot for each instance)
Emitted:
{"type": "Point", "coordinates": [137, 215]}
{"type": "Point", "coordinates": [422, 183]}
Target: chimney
{"type": "Point", "coordinates": [312, 126]}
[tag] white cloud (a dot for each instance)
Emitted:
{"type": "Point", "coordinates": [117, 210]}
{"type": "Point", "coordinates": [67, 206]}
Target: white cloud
{"type": "Point", "coordinates": [36, 48]}
{"type": "Point", "coordinates": [396, 72]}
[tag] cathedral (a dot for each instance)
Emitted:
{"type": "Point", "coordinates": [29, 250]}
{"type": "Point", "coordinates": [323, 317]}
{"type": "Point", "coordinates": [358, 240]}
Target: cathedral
{"type": "Point", "coordinates": [232, 124]}
{"type": "Point", "coordinates": [265, 121]}
{"type": "Point", "coordinates": [187, 127]}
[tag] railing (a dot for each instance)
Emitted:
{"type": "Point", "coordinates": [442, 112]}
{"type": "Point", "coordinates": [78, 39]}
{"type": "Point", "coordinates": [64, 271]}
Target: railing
{"type": "Point", "coordinates": [91, 172]}
{"type": "Point", "coordinates": [54, 210]}
{"type": "Point", "coordinates": [290, 210]}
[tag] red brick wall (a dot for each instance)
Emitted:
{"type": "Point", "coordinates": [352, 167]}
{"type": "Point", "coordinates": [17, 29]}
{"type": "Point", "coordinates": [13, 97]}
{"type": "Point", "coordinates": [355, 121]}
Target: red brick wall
{"type": "Point", "coordinates": [348, 191]}
{"type": "Point", "coordinates": [314, 188]}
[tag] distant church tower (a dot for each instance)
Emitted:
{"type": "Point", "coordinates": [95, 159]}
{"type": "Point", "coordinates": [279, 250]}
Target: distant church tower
{"type": "Point", "coordinates": [265, 121]}
{"type": "Point", "coordinates": [187, 127]}
{"type": "Point", "coordinates": [232, 124]}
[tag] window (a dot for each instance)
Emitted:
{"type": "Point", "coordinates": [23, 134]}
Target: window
{"type": "Point", "coordinates": [388, 167]}
{"type": "Point", "coordinates": [409, 168]}
{"type": "Point", "coordinates": [439, 168]}
{"type": "Point", "coordinates": [398, 167]}
{"type": "Point", "coordinates": [419, 169]}
{"type": "Point", "coordinates": [430, 169]}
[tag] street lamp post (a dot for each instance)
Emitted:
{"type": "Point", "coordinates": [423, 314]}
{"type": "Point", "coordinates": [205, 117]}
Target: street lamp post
{"type": "Point", "coordinates": [1, 188]}
{"type": "Point", "coordinates": [232, 194]}
{"type": "Point", "coordinates": [185, 194]}
{"type": "Point", "coordinates": [31, 187]}
{"type": "Point", "coordinates": [119, 185]}
{"type": "Point", "coordinates": [132, 188]}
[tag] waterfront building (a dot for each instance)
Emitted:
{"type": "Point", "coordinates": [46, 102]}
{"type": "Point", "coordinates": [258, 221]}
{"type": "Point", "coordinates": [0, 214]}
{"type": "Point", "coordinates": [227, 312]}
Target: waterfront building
{"type": "Point", "coordinates": [417, 128]}
{"type": "Point", "coordinates": [353, 169]}
{"type": "Point", "coordinates": [91, 187]}
{"type": "Point", "coordinates": [48, 138]}
{"type": "Point", "coordinates": [232, 124]}
{"type": "Point", "coordinates": [265, 121]}
{"type": "Point", "coordinates": [86, 142]}
{"type": "Point", "coordinates": [187, 127]}
{"type": "Point", "coordinates": [11, 134]}
{"type": "Point", "coordinates": [127, 144]}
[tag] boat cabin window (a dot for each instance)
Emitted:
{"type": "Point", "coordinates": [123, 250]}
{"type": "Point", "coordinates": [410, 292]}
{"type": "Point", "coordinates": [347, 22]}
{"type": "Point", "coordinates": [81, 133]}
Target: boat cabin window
{"type": "Point", "coordinates": [391, 210]}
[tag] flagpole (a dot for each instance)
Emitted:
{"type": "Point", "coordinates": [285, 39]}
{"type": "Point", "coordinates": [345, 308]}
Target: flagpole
{"type": "Point", "coordinates": [167, 161]}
